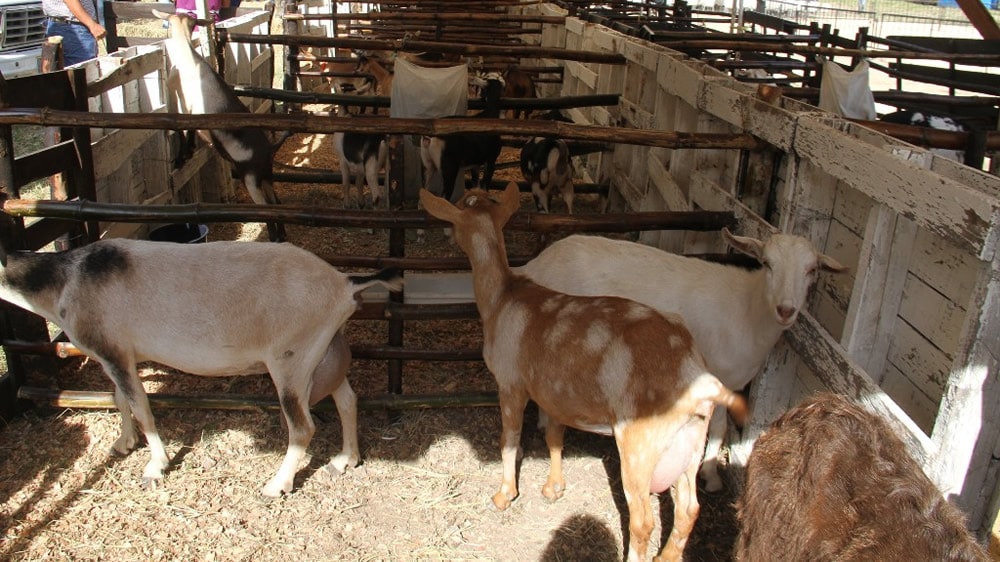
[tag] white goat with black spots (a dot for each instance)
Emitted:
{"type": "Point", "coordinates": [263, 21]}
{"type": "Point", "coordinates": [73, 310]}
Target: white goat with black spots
{"type": "Point", "coordinates": [622, 369]}
{"type": "Point", "coordinates": [127, 301]}
{"type": "Point", "coordinates": [362, 156]}
{"type": "Point", "coordinates": [202, 91]}
{"type": "Point", "coordinates": [546, 166]}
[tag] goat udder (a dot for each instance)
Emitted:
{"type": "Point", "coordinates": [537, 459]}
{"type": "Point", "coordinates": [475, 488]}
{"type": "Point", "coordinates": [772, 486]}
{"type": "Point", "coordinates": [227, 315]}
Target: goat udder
{"type": "Point", "coordinates": [677, 458]}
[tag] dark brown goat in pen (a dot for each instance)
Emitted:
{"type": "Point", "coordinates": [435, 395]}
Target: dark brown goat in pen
{"type": "Point", "coordinates": [831, 481]}
{"type": "Point", "coordinates": [518, 84]}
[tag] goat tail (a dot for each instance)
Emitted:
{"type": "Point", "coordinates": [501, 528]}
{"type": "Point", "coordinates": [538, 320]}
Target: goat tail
{"type": "Point", "coordinates": [390, 278]}
{"type": "Point", "coordinates": [706, 388]}
{"type": "Point", "coordinates": [736, 404]}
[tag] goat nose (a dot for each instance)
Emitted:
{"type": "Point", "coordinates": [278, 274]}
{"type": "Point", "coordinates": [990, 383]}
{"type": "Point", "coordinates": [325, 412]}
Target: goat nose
{"type": "Point", "coordinates": [785, 312]}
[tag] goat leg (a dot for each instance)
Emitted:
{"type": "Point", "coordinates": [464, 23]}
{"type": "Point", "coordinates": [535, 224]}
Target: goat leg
{"type": "Point", "coordinates": [512, 404]}
{"type": "Point", "coordinates": [347, 406]}
{"type": "Point", "coordinates": [638, 461]}
{"type": "Point", "coordinates": [685, 495]}
{"type": "Point", "coordinates": [132, 400]}
{"type": "Point", "coordinates": [300, 431]}
{"type": "Point", "coordinates": [555, 485]}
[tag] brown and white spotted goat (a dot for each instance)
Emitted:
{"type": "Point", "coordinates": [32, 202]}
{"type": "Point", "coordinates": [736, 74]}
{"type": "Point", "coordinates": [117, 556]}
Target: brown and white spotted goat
{"type": "Point", "coordinates": [623, 370]}
{"type": "Point", "coordinates": [215, 309]}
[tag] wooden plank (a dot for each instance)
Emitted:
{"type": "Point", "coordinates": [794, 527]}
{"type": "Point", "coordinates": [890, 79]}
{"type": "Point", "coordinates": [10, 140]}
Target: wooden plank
{"type": "Point", "coordinates": [581, 72]}
{"type": "Point", "coordinates": [921, 408]}
{"type": "Point", "coordinates": [930, 313]}
{"type": "Point", "coordinates": [851, 209]}
{"type": "Point", "coordinates": [679, 78]}
{"type": "Point", "coordinates": [709, 196]}
{"type": "Point", "coordinates": [925, 365]}
{"type": "Point", "coordinates": [964, 79]}
{"type": "Point", "coordinates": [722, 100]}
{"type": "Point", "coordinates": [944, 267]}
{"type": "Point", "coordinates": [116, 149]}
{"type": "Point", "coordinates": [641, 54]}
{"type": "Point", "coordinates": [951, 44]}
{"type": "Point", "coordinates": [132, 69]}
{"type": "Point", "coordinates": [840, 374]}
{"type": "Point", "coordinates": [663, 183]}
{"type": "Point", "coordinates": [878, 290]}
{"type": "Point", "coordinates": [967, 429]}
{"type": "Point", "coordinates": [981, 19]}
{"type": "Point", "coordinates": [941, 205]}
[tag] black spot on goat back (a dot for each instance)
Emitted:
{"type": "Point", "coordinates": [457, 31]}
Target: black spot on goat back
{"type": "Point", "coordinates": [101, 261]}
{"type": "Point", "coordinates": [33, 273]}
{"type": "Point", "coordinates": [359, 147]}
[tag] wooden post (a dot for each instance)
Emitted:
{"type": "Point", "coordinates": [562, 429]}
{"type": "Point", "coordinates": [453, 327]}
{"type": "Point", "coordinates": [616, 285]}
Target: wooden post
{"type": "Point", "coordinates": [878, 289]}
{"type": "Point", "coordinates": [15, 323]}
{"type": "Point", "coordinates": [52, 60]}
{"type": "Point", "coordinates": [291, 71]}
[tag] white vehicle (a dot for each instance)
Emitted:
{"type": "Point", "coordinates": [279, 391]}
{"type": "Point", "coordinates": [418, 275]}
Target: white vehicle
{"type": "Point", "coordinates": [21, 37]}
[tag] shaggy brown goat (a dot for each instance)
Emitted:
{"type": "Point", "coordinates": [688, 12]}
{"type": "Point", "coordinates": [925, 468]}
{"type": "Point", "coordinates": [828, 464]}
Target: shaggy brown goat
{"type": "Point", "coordinates": [831, 481]}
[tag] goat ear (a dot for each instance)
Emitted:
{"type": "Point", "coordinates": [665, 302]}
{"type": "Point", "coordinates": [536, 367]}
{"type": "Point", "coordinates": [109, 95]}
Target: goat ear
{"type": "Point", "coordinates": [438, 207]}
{"type": "Point", "coordinates": [745, 244]}
{"type": "Point", "coordinates": [510, 201]}
{"type": "Point", "coordinates": [826, 263]}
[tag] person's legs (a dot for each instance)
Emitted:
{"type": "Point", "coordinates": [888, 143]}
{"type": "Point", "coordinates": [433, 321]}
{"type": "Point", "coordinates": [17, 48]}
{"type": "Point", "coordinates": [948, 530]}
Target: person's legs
{"type": "Point", "coordinates": [78, 44]}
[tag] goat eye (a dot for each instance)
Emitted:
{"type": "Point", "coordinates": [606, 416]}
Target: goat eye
{"type": "Point", "coordinates": [766, 264]}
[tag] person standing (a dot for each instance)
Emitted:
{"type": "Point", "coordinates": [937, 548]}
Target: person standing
{"type": "Point", "coordinates": [78, 24]}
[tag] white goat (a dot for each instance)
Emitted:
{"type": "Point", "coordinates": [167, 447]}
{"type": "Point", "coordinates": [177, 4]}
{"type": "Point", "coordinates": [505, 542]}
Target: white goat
{"type": "Point", "coordinates": [735, 315]}
{"type": "Point", "coordinates": [202, 91]}
{"type": "Point", "coordinates": [215, 309]}
{"type": "Point", "coordinates": [546, 166]}
{"type": "Point", "coordinates": [622, 369]}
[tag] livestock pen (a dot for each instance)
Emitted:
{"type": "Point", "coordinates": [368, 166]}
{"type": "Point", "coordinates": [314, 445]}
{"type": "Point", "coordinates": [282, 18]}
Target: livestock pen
{"type": "Point", "coordinates": [910, 332]}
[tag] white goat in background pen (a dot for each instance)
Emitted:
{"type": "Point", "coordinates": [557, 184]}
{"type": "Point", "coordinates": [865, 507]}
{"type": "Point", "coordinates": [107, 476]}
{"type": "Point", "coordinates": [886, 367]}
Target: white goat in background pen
{"type": "Point", "coordinates": [735, 315]}
{"type": "Point", "coordinates": [202, 91]}
{"type": "Point", "coordinates": [127, 301]}
{"type": "Point", "coordinates": [546, 166]}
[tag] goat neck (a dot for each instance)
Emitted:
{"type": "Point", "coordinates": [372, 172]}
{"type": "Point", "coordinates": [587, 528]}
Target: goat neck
{"type": "Point", "coordinates": [478, 229]}
{"type": "Point", "coordinates": [178, 44]}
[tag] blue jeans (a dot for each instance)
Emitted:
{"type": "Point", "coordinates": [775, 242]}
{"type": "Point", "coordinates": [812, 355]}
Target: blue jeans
{"type": "Point", "coordinates": [78, 44]}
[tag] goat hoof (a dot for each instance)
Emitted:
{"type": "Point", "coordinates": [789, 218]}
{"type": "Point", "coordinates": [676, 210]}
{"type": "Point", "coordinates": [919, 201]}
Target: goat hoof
{"type": "Point", "coordinates": [339, 464]}
{"type": "Point", "coordinates": [120, 450]}
{"type": "Point", "coordinates": [275, 490]}
{"type": "Point", "coordinates": [150, 483]}
{"type": "Point", "coordinates": [501, 501]}
{"type": "Point", "coordinates": [553, 491]}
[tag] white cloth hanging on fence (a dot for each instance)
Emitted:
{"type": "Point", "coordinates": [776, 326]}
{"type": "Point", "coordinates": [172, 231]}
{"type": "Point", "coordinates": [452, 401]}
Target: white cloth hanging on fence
{"type": "Point", "coordinates": [421, 92]}
{"type": "Point", "coordinates": [847, 93]}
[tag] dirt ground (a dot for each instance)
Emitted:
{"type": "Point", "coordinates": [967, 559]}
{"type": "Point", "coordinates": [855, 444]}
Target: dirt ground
{"type": "Point", "coordinates": [422, 491]}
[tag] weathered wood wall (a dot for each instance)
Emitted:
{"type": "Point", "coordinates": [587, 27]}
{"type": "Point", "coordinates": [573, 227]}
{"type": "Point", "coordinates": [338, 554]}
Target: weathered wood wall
{"type": "Point", "coordinates": [912, 331]}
